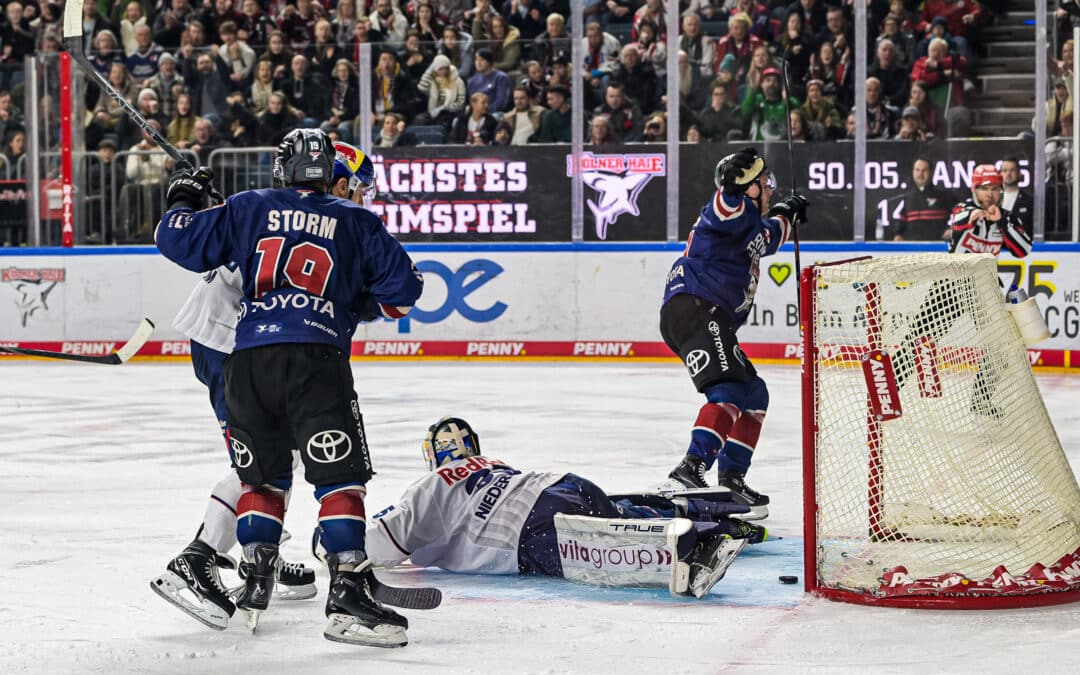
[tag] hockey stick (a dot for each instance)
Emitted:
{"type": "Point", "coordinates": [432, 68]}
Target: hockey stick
{"type": "Point", "coordinates": [791, 173]}
{"type": "Point", "coordinates": [122, 355]}
{"type": "Point", "coordinates": [73, 43]}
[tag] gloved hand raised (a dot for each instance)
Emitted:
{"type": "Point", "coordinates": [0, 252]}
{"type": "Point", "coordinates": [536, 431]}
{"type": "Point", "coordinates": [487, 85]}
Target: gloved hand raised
{"type": "Point", "coordinates": [793, 208]}
{"type": "Point", "coordinates": [189, 188]}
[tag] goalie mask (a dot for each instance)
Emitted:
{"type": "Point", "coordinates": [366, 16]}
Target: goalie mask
{"type": "Point", "coordinates": [449, 439]}
{"type": "Point", "coordinates": [304, 156]}
{"type": "Point", "coordinates": [352, 164]}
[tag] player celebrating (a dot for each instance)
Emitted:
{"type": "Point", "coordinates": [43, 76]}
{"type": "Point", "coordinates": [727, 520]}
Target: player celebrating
{"type": "Point", "coordinates": [313, 266]}
{"type": "Point", "coordinates": [476, 514]}
{"type": "Point", "coordinates": [708, 296]}
{"type": "Point", "coordinates": [208, 318]}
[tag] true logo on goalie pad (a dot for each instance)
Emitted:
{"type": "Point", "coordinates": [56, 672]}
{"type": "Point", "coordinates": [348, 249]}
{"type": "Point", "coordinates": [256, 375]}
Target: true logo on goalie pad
{"type": "Point", "coordinates": [881, 386]}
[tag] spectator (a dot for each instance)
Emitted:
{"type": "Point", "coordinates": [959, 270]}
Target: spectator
{"type": "Point", "coordinates": [457, 47]}
{"type": "Point", "coordinates": [14, 146]}
{"type": "Point", "coordinates": [601, 52]}
{"type": "Point", "coordinates": [937, 30]}
{"type": "Point", "coordinates": [601, 131]}
{"type": "Point", "coordinates": [555, 126]}
{"type": "Point", "coordinates": [1014, 200]}
{"type": "Point", "coordinates": [240, 126]}
{"type": "Point", "coordinates": [452, 12]}
{"type": "Point", "coordinates": [393, 133]}
{"type": "Point", "coordinates": [298, 23]}
{"type": "Point", "coordinates": [759, 18]}
{"type": "Point", "coordinates": [693, 135]}
{"type": "Point", "coordinates": [142, 63]}
{"type": "Point", "coordinates": [167, 84]}
{"type": "Point", "coordinates": [553, 42]}
{"type": "Point", "coordinates": [238, 57]}
{"type": "Point", "coordinates": [626, 118]}
{"type": "Point", "coordinates": [147, 104]}
{"type": "Point", "coordinates": [527, 16]}
{"type": "Point", "coordinates": [170, 25]}
{"type": "Point", "coordinates": [262, 86]}
{"type": "Point", "coordinates": [105, 51]}
{"type": "Point", "coordinates": [881, 118]}
{"type": "Point", "coordinates": [560, 73]}
{"type": "Point", "coordinates": [475, 126]}
{"type": "Point", "coordinates": [344, 100]}
{"type": "Point", "coordinates": [502, 134]}
{"type": "Point", "coordinates": [760, 61]}
{"type": "Point", "coordinates": [800, 131]}
{"type": "Point", "coordinates": [928, 112]}
{"type": "Point", "coordinates": [505, 47]}
{"type": "Point", "coordinates": [495, 84]}
{"type": "Point", "coordinates": [1064, 67]}
{"type": "Point", "coordinates": [192, 43]}
{"type": "Point", "coordinates": [652, 10]}
{"type": "Point", "coordinates": [849, 126]}
{"type": "Point", "coordinates": [942, 74]}
{"type": "Point", "coordinates": [279, 118]}
{"type": "Point", "coordinates": [738, 43]}
{"type": "Point", "coordinates": [478, 21]}
{"type": "Point", "coordinates": [219, 13]}
{"type": "Point", "coordinates": [886, 68]}
{"type": "Point", "coordinates": [101, 178]}
{"type": "Point", "coordinates": [726, 76]}
{"type": "Point", "coordinates": [721, 121]}
{"type": "Point", "coordinates": [765, 111]}
{"type": "Point", "coordinates": [1059, 122]}
{"type": "Point", "coordinates": [140, 198]}
{"type": "Point", "coordinates": [962, 19]}
{"type": "Point", "coordinates": [637, 77]}
{"type": "Point", "coordinates": [446, 94]}
{"type": "Point", "coordinates": [15, 34]}
{"type": "Point", "coordinates": [911, 126]}
{"type": "Point", "coordinates": [812, 16]}
{"type": "Point", "coordinates": [837, 31]}
{"type": "Point", "coordinates": [414, 56]}
{"type": "Point", "coordinates": [134, 16]}
{"type": "Point", "coordinates": [323, 52]}
{"type": "Point", "coordinates": [426, 23]}
{"type": "Point", "coordinates": [902, 41]}
{"type": "Point", "coordinates": [651, 49]}
{"type": "Point", "coordinates": [389, 21]}
{"type": "Point", "coordinates": [700, 48]}
{"type": "Point", "coordinates": [205, 140]}
{"type": "Point", "coordinates": [10, 115]}
{"type": "Point", "coordinates": [181, 128]}
{"type": "Point", "coordinates": [820, 112]}
{"type": "Point", "coordinates": [797, 48]}
{"type": "Point", "coordinates": [254, 27]}
{"type": "Point", "coordinates": [535, 82]}
{"type": "Point", "coordinates": [209, 85]}
{"type": "Point", "coordinates": [655, 128]}
{"type": "Point", "coordinates": [924, 215]}
{"type": "Point", "coordinates": [392, 90]}
{"type": "Point", "coordinates": [837, 77]}
{"type": "Point", "coordinates": [524, 118]}
{"type": "Point", "coordinates": [344, 23]}
{"type": "Point", "coordinates": [107, 112]}
{"type": "Point", "coordinates": [693, 88]}
{"type": "Point", "coordinates": [279, 56]}
{"type": "Point", "coordinates": [307, 91]}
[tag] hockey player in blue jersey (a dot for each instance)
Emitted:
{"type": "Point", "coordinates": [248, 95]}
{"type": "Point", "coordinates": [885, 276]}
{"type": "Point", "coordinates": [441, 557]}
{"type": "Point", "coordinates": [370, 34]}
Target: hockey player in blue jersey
{"type": "Point", "coordinates": [191, 581]}
{"type": "Point", "coordinates": [313, 266]}
{"type": "Point", "coordinates": [708, 296]}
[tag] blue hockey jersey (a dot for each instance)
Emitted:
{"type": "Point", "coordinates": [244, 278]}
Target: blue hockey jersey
{"type": "Point", "coordinates": [312, 264]}
{"type": "Point", "coordinates": [721, 261]}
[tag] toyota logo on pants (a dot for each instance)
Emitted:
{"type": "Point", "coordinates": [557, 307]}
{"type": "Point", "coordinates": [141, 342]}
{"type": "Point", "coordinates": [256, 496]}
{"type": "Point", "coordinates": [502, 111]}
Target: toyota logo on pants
{"type": "Point", "coordinates": [696, 361]}
{"type": "Point", "coordinates": [329, 446]}
{"type": "Point", "coordinates": [241, 455]}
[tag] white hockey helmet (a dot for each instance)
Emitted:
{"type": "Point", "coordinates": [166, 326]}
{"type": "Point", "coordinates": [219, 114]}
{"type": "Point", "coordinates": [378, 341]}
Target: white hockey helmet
{"type": "Point", "coordinates": [449, 439]}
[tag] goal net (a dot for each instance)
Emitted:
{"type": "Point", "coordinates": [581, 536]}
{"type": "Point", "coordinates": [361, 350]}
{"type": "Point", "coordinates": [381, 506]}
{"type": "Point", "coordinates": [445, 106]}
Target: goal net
{"type": "Point", "coordinates": [933, 474]}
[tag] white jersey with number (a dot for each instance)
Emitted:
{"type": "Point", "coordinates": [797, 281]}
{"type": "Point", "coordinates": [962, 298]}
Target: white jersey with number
{"type": "Point", "coordinates": [466, 516]}
{"type": "Point", "coordinates": [209, 316]}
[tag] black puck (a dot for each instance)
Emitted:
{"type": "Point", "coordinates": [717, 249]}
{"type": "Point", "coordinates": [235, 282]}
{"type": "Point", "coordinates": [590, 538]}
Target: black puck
{"type": "Point", "coordinates": [788, 579]}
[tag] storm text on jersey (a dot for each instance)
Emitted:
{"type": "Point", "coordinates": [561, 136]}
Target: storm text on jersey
{"type": "Point", "coordinates": [296, 220]}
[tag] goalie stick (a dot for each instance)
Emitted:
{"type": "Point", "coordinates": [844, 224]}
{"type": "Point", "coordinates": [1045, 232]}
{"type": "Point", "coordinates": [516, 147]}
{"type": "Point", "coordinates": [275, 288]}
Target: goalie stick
{"type": "Point", "coordinates": [122, 355]}
{"type": "Point", "coordinates": [73, 43]}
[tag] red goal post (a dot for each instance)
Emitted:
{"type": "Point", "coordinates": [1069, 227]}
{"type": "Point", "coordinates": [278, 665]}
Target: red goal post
{"type": "Point", "coordinates": [932, 474]}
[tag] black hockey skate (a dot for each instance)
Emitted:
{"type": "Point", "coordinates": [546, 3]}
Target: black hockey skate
{"type": "Point", "coordinates": [697, 572]}
{"type": "Point", "coordinates": [753, 534]}
{"type": "Point", "coordinates": [295, 581]}
{"type": "Point", "coordinates": [191, 583]}
{"type": "Point", "coordinates": [356, 617]}
{"type": "Point", "coordinates": [690, 472]}
{"type": "Point", "coordinates": [258, 573]}
{"type": "Point", "coordinates": [736, 484]}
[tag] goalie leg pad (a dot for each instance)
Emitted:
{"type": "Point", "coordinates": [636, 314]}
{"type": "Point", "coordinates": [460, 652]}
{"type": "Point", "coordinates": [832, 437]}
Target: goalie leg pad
{"type": "Point", "coordinates": [619, 551]}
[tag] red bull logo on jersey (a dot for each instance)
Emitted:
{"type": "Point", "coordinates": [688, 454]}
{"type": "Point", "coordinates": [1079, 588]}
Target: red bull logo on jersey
{"type": "Point", "coordinates": [618, 180]}
{"type": "Point", "coordinates": [881, 385]}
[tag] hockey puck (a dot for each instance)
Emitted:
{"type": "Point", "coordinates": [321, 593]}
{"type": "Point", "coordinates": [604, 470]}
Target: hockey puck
{"type": "Point", "coordinates": [788, 579]}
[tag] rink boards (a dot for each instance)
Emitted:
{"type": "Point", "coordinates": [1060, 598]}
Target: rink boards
{"type": "Point", "coordinates": [494, 301]}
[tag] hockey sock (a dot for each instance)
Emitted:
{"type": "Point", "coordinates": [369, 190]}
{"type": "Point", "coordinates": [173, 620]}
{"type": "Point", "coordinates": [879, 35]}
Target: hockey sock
{"type": "Point", "coordinates": [341, 518]}
{"type": "Point", "coordinates": [259, 515]}
{"type": "Point", "coordinates": [714, 422]}
{"type": "Point", "coordinates": [739, 448]}
{"type": "Point", "coordinates": [219, 523]}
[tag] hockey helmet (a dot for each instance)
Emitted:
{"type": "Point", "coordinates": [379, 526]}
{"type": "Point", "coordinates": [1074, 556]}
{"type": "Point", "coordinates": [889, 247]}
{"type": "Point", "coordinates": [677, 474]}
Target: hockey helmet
{"type": "Point", "coordinates": [449, 439]}
{"type": "Point", "coordinates": [304, 156]}
{"type": "Point", "coordinates": [351, 163]}
{"type": "Point", "coordinates": [739, 182]}
{"type": "Point", "coordinates": [985, 174]}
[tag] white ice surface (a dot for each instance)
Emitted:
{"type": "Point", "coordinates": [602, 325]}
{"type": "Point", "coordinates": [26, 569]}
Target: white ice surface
{"type": "Point", "coordinates": [106, 471]}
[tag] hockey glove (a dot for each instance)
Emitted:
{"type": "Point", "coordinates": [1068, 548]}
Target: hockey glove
{"type": "Point", "coordinates": [793, 208]}
{"type": "Point", "coordinates": [189, 188]}
{"type": "Point", "coordinates": [737, 172]}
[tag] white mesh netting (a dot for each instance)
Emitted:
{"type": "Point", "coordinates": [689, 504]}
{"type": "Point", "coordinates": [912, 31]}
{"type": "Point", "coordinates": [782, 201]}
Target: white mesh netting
{"type": "Point", "coordinates": [970, 476]}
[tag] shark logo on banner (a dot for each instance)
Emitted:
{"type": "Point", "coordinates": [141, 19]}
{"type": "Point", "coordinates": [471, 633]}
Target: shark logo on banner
{"type": "Point", "coordinates": [32, 288]}
{"type": "Point", "coordinates": [618, 180]}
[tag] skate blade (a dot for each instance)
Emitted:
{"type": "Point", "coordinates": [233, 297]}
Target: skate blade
{"type": "Point", "coordinates": [253, 619]}
{"type": "Point", "coordinates": [177, 593]}
{"type": "Point", "coordinates": [715, 494]}
{"type": "Point", "coordinates": [290, 593]}
{"type": "Point", "coordinates": [726, 555]}
{"type": "Point", "coordinates": [346, 629]}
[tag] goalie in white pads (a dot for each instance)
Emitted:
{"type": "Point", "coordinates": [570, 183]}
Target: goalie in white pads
{"type": "Point", "coordinates": [476, 514]}
{"type": "Point", "coordinates": [191, 581]}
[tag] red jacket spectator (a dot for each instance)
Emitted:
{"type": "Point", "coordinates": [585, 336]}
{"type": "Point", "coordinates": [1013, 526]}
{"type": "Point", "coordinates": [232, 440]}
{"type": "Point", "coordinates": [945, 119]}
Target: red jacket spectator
{"type": "Point", "coordinates": [954, 12]}
{"type": "Point", "coordinates": [739, 43]}
{"type": "Point", "coordinates": [936, 70]}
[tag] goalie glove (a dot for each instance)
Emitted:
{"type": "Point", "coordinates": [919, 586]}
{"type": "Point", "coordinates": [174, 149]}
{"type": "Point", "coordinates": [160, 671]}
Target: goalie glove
{"type": "Point", "coordinates": [738, 171]}
{"type": "Point", "coordinates": [189, 188]}
{"type": "Point", "coordinates": [792, 208]}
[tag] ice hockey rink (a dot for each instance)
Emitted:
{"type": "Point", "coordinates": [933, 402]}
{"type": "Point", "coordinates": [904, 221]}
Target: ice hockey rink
{"type": "Point", "coordinates": [106, 471]}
